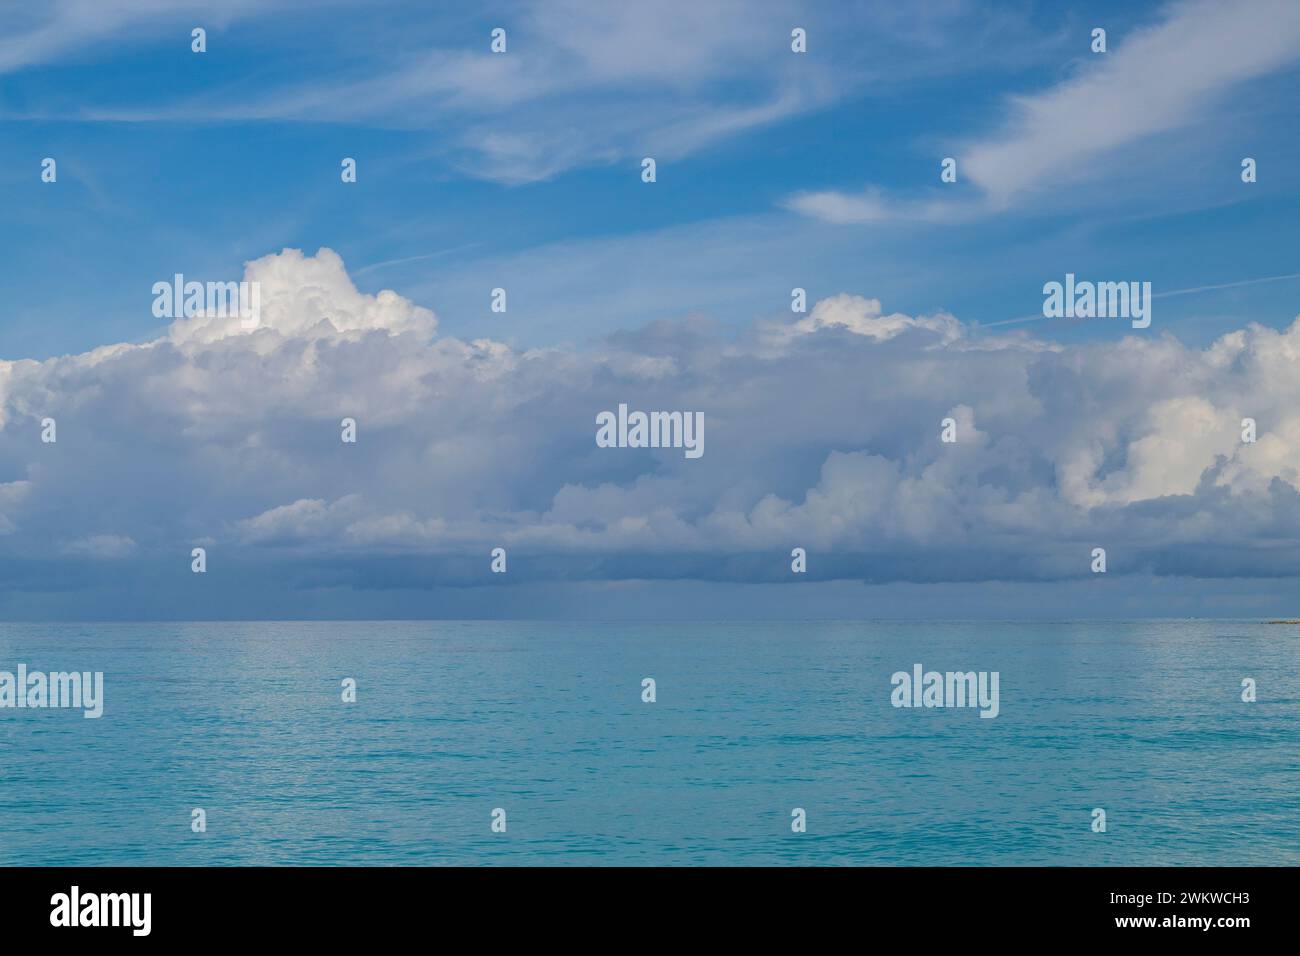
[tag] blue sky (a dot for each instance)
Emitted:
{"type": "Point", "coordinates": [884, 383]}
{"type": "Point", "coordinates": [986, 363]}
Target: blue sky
{"type": "Point", "coordinates": [522, 170]}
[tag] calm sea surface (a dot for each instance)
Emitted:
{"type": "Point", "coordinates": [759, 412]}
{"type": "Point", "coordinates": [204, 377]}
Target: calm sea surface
{"type": "Point", "coordinates": [545, 720]}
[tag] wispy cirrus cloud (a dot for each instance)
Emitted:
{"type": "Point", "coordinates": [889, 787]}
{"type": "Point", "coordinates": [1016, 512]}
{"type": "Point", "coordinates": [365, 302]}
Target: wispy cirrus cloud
{"type": "Point", "coordinates": [1172, 75]}
{"type": "Point", "coordinates": [37, 34]}
{"type": "Point", "coordinates": [582, 84]}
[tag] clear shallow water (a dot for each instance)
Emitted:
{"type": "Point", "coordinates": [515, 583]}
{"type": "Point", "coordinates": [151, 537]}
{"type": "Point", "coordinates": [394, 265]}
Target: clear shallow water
{"type": "Point", "coordinates": [546, 720]}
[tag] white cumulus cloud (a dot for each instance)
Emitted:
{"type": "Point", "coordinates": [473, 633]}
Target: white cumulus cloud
{"type": "Point", "coordinates": [822, 432]}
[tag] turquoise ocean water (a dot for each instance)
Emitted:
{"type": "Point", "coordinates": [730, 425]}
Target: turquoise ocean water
{"type": "Point", "coordinates": [545, 720]}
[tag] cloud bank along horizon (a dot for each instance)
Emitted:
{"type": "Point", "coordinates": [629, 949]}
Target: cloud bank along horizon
{"type": "Point", "coordinates": [824, 433]}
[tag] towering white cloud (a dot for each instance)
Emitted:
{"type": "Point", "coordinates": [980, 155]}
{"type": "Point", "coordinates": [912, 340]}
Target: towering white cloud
{"type": "Point", "coordinates": [822, 432]}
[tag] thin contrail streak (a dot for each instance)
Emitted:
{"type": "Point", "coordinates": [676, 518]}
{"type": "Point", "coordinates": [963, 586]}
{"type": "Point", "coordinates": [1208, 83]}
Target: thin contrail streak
{"type": "Point", "coordinates": [429, 255]}
{"type": "Point", "coordinates": [1225, 285]}
{"type": "Point", "coordinates": [1161, 295]}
